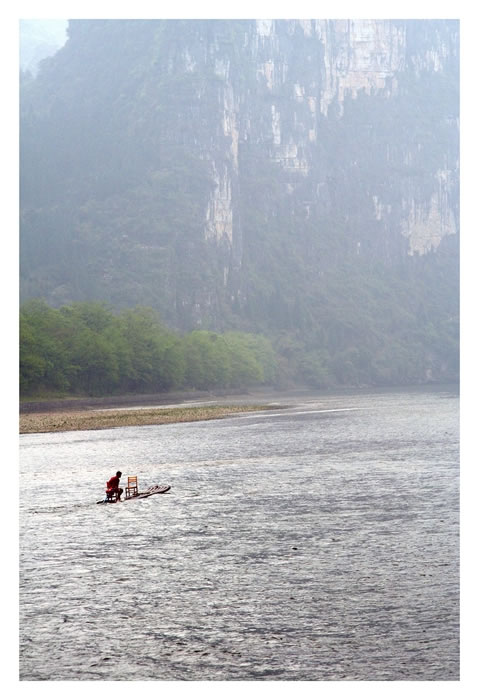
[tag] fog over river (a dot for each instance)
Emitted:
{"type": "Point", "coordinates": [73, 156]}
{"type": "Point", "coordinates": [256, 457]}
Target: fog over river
{"type": "Point", "coordinates": [316, 542]}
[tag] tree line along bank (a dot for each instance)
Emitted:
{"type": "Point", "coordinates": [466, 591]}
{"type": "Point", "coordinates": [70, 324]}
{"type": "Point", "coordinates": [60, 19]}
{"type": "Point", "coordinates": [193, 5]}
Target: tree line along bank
{"type": "Point", "coordinates": [85, 348]}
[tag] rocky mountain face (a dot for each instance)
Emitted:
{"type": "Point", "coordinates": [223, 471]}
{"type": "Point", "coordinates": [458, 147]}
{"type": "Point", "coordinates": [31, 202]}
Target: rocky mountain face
{"type": "Point", "coordinates": [269, 175]}
{"type": "Point", "coordinates": [309, 77]}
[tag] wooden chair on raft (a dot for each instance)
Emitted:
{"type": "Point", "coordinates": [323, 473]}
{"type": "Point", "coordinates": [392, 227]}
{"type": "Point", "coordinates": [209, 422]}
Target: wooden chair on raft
{"type": "Point", "coordinates": [131, 489]}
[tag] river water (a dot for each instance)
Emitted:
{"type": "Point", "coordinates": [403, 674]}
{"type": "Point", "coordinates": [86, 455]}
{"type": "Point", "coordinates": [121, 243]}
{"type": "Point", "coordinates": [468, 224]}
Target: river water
{"type": "Point", "coordinates": [316, 542]}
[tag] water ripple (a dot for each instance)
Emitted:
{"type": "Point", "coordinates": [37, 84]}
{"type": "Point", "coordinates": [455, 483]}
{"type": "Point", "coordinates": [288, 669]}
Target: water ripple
{"type": "Point", "coordinates": [315, 546]}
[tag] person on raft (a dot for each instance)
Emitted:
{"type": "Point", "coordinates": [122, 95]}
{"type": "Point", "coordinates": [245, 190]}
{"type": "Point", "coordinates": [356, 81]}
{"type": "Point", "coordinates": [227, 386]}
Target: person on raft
{"type": "Point", "coordinates": [113, 486]}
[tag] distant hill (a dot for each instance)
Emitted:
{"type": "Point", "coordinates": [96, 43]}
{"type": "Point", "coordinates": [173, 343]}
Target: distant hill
{"type": "Point", "coordinates": [294, 178]}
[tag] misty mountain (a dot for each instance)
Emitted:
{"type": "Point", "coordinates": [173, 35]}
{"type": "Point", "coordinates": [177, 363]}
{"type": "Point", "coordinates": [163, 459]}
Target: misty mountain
{"type": "Point", "coordinates": [293, 178]}
{"type": "Point", "coordinates": [40, 39]}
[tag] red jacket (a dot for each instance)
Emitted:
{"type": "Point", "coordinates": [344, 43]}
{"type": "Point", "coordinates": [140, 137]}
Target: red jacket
{"type": "Point", "coordinates": [113, 483]}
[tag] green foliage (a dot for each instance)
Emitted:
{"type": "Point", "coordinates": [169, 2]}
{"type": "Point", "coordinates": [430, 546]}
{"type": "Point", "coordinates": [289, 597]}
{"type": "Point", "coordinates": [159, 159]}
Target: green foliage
{"type": "Point", "coordinates": [253, 357]}
{"type": "Point", "coordinates": [314, 370]}
{"type": "Point", "coordinates": [44, 358]}
{"type": "Point", "coordinates": [232, 360]}
{"type": "Point", "coordinates": [207, 360]}
{"type": "Point", "coordinates": [85, 348]}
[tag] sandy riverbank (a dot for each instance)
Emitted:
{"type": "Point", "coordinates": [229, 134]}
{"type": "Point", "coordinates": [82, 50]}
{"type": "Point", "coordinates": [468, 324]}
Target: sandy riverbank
{"type": "Point", "coordinates": [59, 421]}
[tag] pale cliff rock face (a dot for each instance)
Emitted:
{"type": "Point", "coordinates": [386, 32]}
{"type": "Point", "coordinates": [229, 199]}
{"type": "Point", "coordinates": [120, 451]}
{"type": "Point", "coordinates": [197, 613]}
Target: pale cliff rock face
{"type": "Point", "coordinates": [426, 224]}
{"type": "Point", "coordinates": [359, 55]}
{"type": "Point", "coordinates": [219, 214]}
{"type": "Point", "coordinates": [305, 73]}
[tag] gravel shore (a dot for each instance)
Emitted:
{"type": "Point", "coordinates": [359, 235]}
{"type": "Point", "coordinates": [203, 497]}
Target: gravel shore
{"type": "Point", "coordinates": [59, 421]}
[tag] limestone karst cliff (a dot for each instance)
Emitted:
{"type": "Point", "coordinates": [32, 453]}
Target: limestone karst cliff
{"type": "Point", "coordinates": [308, 76]}
{"type": "Point", "coordinates": [270, 175]}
